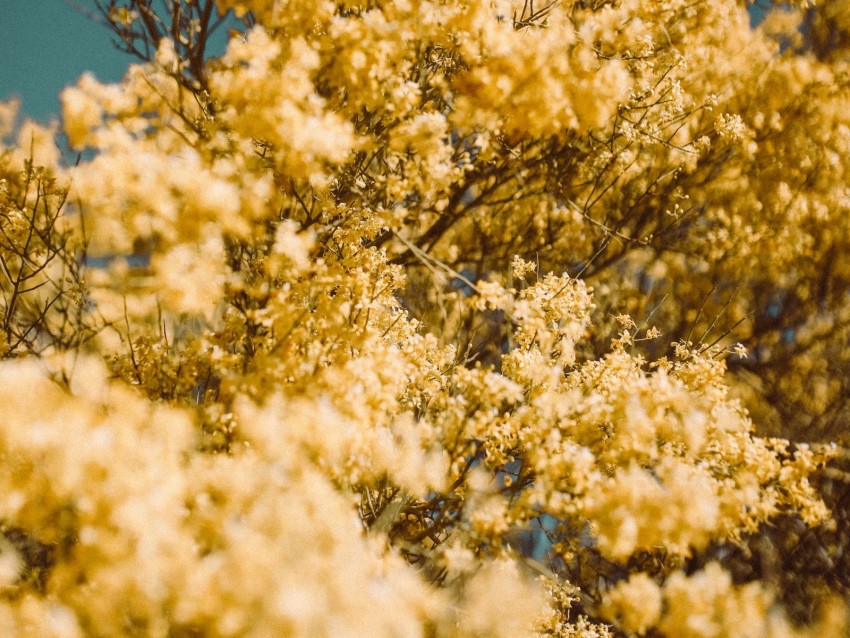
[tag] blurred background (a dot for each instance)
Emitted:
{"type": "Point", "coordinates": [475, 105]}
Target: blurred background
{"type": "Point", "coordinates": [45, 45]}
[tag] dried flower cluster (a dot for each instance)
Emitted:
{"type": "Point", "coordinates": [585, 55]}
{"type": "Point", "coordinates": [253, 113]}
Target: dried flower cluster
{"type": "Point", "coordinates": [412, 319]}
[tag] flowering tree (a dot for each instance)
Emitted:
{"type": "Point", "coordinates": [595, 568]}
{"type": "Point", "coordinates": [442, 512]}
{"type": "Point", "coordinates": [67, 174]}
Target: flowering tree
{"type": "Point", "coordinates": [412, 318]}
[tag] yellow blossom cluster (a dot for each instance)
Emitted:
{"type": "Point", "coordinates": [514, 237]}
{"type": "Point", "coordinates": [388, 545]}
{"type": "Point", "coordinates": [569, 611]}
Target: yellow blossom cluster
{"type": "Point", "coordinates": [401, 319]}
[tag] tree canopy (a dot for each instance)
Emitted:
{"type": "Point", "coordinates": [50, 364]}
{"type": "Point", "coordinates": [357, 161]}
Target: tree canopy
{"type": "Point", "coordinates": [432, 318]}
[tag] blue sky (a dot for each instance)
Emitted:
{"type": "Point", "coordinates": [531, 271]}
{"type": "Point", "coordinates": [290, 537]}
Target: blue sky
{"type": "Point", "coordinates": [44, 46]}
